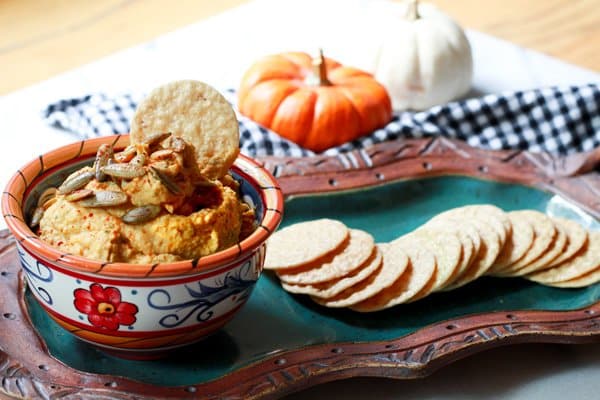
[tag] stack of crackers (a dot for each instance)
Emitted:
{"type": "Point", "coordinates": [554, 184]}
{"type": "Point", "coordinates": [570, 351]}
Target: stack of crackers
{"type": "Point", "coordinates": [343, 267]}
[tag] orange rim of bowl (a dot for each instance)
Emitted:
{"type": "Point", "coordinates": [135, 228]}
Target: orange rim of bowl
{"type": "Point", "coordinates": [28, 176]}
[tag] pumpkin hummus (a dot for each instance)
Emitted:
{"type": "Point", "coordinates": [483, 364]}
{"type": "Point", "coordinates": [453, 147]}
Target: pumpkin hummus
{"type": "Point", "coordinates": [194, 216]}
{"type": "Point", "coordinates": [166, 197]}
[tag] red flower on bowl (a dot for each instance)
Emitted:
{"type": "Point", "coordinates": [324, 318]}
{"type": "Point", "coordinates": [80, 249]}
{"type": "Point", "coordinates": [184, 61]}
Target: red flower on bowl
{"type": "Point", "coordinates": [104, 307]}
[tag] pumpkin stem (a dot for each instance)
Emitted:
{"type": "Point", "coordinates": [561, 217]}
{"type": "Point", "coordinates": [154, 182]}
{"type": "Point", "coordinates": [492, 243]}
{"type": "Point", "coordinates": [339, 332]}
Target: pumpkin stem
{"type": "Point", "coordinates": [413, 10]}
{"type": "Point", "coordinates": [319, 75]}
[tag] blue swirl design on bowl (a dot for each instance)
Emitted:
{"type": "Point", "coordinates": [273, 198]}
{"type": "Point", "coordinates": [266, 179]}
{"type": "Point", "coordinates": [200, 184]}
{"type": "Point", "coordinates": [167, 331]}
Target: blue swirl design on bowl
{"type": "Point", "coordinates": [40, 273]}
{"type": "Point", "coordinates": [203, 298]}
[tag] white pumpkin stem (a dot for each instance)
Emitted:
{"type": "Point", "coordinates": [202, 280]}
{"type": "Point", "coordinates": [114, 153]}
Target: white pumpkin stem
{"type": "Point", "coordinates": [319, 76]}
{"type": "Point", "coordinates": [413, 10]}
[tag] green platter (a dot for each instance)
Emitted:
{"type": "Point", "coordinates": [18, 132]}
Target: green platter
{"type": "Point", "coordinates": [274, 321]}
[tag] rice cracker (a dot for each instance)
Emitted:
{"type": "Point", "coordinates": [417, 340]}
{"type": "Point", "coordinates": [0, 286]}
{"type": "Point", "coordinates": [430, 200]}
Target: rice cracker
{"type": "Point", "coordinates": [576, 239]}
{"type": "Point", "coordinates": [545, 234]}
{"type": "Point", "coordinates": [350, 258]}
{"type": "Point", "coordinates": [588, 279]}
{"type": "Point", "coordinates": [304, 242]}
{"type": "Point", "coordinates": [394, 264]}
{"type": "Point", "coordinates": [199, 114]}
{"type": "Point", "coordinates": [415, 282]}
{"type": "Point", "coordinates": [584, 262]}
{"type": "Point", "coordinates": [469, 238]}
{"type": "Point", "coordinates": [446, 247]}
{"type": "Point", "coordinates": [517, 243]}
{"type": "Point", "coordinates": [493, 215]}
{"type": "Point", "coordinates": [489, 250]}
{"type": "Point", "coordinates": [557, 247]}
{"type": "Point", "coordinates": [331, 288]}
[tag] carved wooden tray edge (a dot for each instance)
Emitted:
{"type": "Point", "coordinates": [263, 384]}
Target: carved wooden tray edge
{"type": "Point", "coordinates": [573, 176]}
{"type": "Point", "coordinates": [29, 371]}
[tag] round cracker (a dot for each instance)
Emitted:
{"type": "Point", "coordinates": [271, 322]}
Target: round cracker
{"type": "Point", "coordinates": [415, 282]}
{"type": "Point", "coordinates": [588, 279]}
{"type": "Point", "coordinates": [470, 251]}
{"type": "Point", "coordinates": [493, 215]}
{"type": "Point", "coordinates": [304, 242]}
{"type": "Point", "coordinates": [545, 233]}
{"type": "Point", "coordinates": [466, 257]}
{"type": "Point", "coordinates": [446, 248]}
{"type": "Point", "coordinates": [331, 288]}
{"type": "Point", "coordinates": [489, 250]}
{"type": "Point", "coordinates": [199, 114]}
{"type": "Point", "coordinates": [584, 262]}
{"type": "Point", "coordinates": [517, 244]}
{"type": "Point", "coordinates": [394, 264]}
{"type": "Point", "coordinates": [350, 258]}
{"type": "Point", "coordinates": [576, 237]}
{"type": "Point", "coordinates": [427, 290]}
{"type": "Point", "coordinates": [557, 247]}
{"type": "Point", "coordinates": [469, 239]}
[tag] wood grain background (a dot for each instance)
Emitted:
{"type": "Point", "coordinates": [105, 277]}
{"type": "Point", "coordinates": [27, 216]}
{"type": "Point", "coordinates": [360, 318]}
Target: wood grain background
{"type": "Point", "coordinates": [42, 38]}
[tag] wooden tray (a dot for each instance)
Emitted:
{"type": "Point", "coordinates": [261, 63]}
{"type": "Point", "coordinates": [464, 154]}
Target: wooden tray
{"type": "Point", "coordinates": [38, 360]}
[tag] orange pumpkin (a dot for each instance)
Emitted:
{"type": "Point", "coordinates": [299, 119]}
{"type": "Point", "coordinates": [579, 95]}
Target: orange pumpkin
{"type": "Point", "coordinates": [316, 103]}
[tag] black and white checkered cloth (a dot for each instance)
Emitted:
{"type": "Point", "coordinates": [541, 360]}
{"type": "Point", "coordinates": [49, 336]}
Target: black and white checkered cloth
{"type": "Point", "coordinates": [560, 120]}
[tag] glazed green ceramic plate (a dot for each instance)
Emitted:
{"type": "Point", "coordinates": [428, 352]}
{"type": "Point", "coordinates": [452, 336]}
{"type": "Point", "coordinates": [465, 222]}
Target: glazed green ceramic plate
{"type": "Point", "coordinates": [274, 321]}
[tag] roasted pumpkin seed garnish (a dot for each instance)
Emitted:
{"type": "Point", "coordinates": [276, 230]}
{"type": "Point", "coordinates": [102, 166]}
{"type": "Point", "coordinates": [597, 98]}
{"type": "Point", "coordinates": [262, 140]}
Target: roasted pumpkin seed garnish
{"type": "Point", "coordinates": [103, 156]}
{"type": "Point", "coordinates": [141, 214]}
{"type": "Point", "coordinates": [77, 180]}
{"type": "Point", "coordinates": [105, 198]}
{"type": "Point", "coordinates": [126, 171]}
{"type": "Point", "coordinates": [166, 181]}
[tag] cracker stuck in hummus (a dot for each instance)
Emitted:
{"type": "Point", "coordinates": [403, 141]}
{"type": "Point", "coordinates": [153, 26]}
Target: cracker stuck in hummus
{"type": "Point", "coordinates": [166, 197]}
{"type": "Point", "coordinates": [197, 113]}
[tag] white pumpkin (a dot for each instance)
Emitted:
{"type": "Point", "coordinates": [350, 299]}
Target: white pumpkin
{"type": "Point", "coordinates": [424, 59]}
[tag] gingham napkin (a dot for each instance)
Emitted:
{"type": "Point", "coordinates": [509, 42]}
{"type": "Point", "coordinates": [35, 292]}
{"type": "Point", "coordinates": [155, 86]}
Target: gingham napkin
{"type": "Point", "coordinates": [560, 120]}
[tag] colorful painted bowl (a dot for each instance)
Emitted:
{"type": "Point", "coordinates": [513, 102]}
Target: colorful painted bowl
{"type": "Point", "coordinates": [136, 310]}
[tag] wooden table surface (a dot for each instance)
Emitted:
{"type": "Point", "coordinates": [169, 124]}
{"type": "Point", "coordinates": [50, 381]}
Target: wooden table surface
{"type": "Point", "coordinates": [42, 38]}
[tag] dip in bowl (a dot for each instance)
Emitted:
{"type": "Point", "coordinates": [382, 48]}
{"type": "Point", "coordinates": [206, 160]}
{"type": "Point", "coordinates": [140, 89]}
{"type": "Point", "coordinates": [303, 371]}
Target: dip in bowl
{"type": "Point", "coordinates": [137, 310]}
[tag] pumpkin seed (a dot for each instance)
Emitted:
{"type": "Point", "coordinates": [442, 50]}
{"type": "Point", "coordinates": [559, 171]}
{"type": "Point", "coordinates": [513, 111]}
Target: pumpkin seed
{"type": "Point", "coordinates": [47, 195]}
{"type": "Point", "coordinates": [104, 198]}
{"type": "Point", "coordinates": [155, 138]}
{"type": "Point", "coordinates": [77, 180]}
{"type": "Point", "coordinates": [141, 214]}
{"type": "Point", "coordinates": [38, 213]}
{"type": "Point", "coordinates": [79, 194]}
{"type": "Point", "coordinates": [162, 154]}
{"type": "Point", "coordinates": [205, 184]}
{"type": "Point", "coordinates": [126, 155]}
{"type": "Point", "coordinates": [166, 181]}
{"type": "Point", "coordinates": [138, 160]}
{"type": "Point", "coordinates": [48, 203]}
{"type": "Point", "coordinates": [103, 156]}
{"type": "Point", "coordinates": [126, 171]}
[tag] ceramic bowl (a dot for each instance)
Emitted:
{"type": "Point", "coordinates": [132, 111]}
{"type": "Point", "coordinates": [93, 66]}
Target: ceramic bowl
{"type": "Point", "coordinates": [137, 310]}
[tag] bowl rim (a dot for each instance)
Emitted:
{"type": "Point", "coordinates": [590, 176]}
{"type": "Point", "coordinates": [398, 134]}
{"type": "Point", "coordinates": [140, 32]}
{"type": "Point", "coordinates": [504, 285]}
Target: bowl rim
{"type": "Point", "coordinates": [19, 186]}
